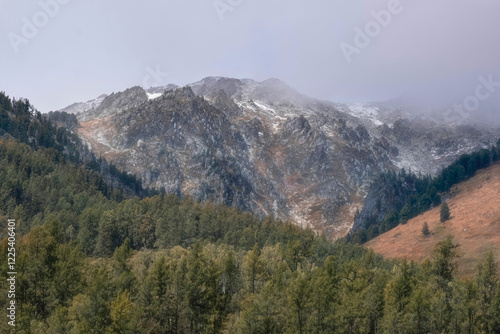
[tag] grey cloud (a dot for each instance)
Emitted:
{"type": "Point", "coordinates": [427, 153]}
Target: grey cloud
{"type": "Point", "coordinates": [93, 47]}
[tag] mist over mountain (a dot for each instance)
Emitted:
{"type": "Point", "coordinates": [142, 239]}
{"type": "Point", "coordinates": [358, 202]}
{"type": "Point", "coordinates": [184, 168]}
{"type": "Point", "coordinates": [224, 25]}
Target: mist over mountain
{"type": "Point", "coordinates": [463, 99]}
{"type": "Point", "coordinates": [266, 148]}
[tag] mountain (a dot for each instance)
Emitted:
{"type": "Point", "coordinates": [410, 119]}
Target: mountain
{"type": "Point", "coordinates": [91, 260]}
{"type": "Point", "coordinates": [474, 224]}
{"type": "Point", "coordinates": [266, 148]}
{"type": "Point", "coordinates": [79, 107]}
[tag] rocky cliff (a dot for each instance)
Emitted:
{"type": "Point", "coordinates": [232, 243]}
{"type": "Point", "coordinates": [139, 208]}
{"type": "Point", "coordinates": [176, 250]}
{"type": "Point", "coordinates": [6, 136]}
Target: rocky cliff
{"type": "Point", "coordinates": [263, 147]}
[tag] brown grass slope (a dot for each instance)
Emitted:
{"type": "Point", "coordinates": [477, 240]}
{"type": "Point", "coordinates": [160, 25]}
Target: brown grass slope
{"type": "Point", "coordinates": [474, 224]}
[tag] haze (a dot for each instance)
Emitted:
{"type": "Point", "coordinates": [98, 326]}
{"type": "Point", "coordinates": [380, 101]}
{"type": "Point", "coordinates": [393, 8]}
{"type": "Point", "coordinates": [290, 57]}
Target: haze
{"type": "Point", "coordinates": [429, 50]}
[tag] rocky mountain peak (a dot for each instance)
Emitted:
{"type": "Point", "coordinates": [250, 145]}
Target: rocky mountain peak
{"type": "Point", "coordinates": [122, 100]}
{"type": "Point", "coordinates": [181, 94]}
{"type": "Point", "coordinates": [224, 102]}
{"type": "Point", "coordinates": [161, 89]}
{"type": "Point", "coordinates": [117, 102]}
{"type": "Point", "coordinates": [264, 147]}
{"type": "Point", "coordinates": [211, 85]}
{"type": "Point", "coordinates": [277, 85]}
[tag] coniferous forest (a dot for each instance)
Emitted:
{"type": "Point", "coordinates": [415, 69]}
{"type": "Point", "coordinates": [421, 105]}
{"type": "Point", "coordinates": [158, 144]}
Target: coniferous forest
{"type": "Point", "coordinates": [400, 196]}
{"type": "Point", "coordinates": [96, 253]}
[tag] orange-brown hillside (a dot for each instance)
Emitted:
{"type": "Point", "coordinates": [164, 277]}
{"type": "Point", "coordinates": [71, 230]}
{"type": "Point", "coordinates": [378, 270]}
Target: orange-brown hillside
{"type": "Point", "coordinates": [474, 224]}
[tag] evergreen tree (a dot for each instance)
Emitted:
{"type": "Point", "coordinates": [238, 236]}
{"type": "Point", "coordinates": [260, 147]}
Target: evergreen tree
{"type": "Point", "coordinates": [444, 213]}
{"type": "Point", "coordinates": [419, 309]}
{"type": "Point", "coordinates": [405, 214]}
{"type": "Point", "coordinates": [495, 312]}
{"type": "Point", "coordinates": [123, 315]}
{"type": "Point", "coordinates": [494, 154]}
{"type": "Point", "coordinates": [425, 230]}
{"type": "Point", "coordinates": [253, 268]}
{"type": "Point", "coordinates": [108, 238]}
{"type": "Point", "coordinates": [298, 297]}
{"type": "Point", "coordinates": [90, 311]}
{"type": "Point", "coordinates": [487, 282]}
{"type": "Point", "coordinates": [444, 260]}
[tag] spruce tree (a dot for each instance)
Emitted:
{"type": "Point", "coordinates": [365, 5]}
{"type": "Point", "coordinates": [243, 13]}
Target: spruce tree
{"type": "Point", "coordinates": [405, 214]}
{"type": "Point", "coordinates": [445, 257]}
{"type": "Point", "coordinates": [425, 230]}
{"type": "Point", "coordinates": [445, 212]}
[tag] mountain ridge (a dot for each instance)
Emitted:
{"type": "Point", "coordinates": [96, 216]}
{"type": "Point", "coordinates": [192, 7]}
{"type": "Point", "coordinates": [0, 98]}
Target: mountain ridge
{"type": "Point", "coordinates": [282, 153]}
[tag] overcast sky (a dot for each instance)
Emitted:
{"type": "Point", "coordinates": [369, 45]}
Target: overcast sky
{"type": "Point", "coordinates": [76, 50]}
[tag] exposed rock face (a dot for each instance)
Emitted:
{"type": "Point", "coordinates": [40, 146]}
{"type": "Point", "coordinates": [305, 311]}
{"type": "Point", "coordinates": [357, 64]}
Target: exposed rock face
{"type": "Point", "coordinates": [116, 103]}
{"type": "Point", "coordinates": [264, 147]}
{"type": "Point", "coordinates": [80, 107]}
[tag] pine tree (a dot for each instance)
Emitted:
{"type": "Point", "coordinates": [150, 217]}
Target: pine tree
{"type": "Point", "coordinates": [494, 154]}
{"type": "Point", "coordinates": [425, 230]}
{"type": "Point", "coordinates": [487, 282]}
{"type": "Point", "coordinates": [405, 214]}
{"type": "Point", "coordinates": [445, 212]}
{"type": "Point", "coordinates": [298, 297]}
{"type": "Point", "coordinates": [445, 256]}
{"type": "Point", "coordinates": [495, 311]}
{"type": "Point", "coordinates": [419, 309]}
{"type": "Point", "coordinates": [108, 238]}
{"type": "Point", "coordinates": [397, 298]}
{"type": "Point", "coordinates": [253, 268]}
{"type": "Point", "coordinates": [123, 314]}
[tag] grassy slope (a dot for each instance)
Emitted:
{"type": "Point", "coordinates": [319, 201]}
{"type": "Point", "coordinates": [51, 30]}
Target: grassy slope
{"type": "Point", "coordinates": [474, 223]}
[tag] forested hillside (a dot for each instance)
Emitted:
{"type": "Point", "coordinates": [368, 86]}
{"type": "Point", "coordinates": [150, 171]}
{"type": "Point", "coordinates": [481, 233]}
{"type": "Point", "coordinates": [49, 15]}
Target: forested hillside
{"type": "Point", "coordinates": [20, 120]}
{"type": "Point", "coordinates": [294, 283]}
{"type": "Point", "coordinates": [473, 218]}
{"type": "Point", "coordinates": [396, 197]}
